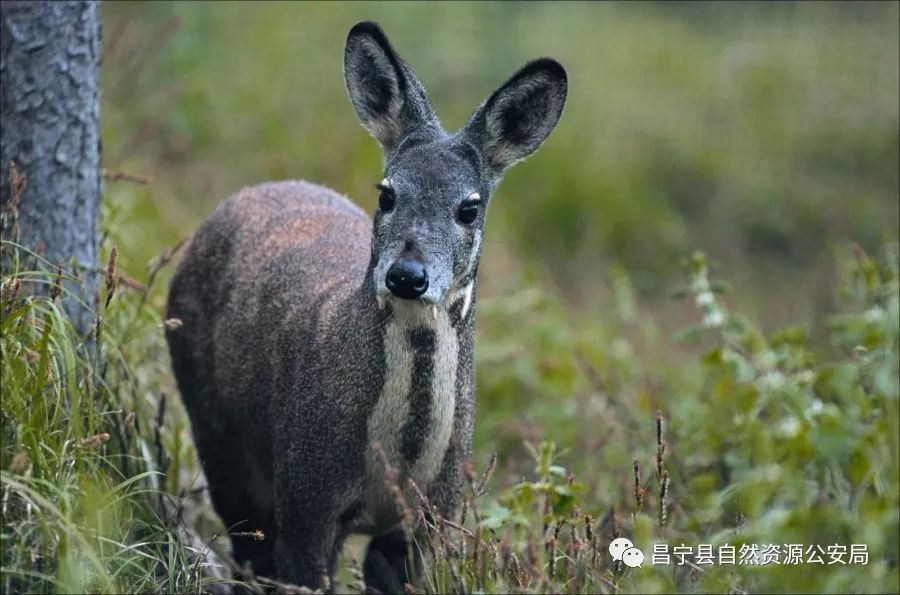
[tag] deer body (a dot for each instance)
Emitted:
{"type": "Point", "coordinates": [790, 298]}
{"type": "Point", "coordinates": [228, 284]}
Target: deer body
{"type": "Point", "coordinates": [325, 357]}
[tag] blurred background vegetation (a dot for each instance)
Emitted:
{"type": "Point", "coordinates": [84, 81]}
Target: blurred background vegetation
{"type": "Point", "coordinates": [766, 135]}
{"type": "Point", "coordinates": [762, 133]}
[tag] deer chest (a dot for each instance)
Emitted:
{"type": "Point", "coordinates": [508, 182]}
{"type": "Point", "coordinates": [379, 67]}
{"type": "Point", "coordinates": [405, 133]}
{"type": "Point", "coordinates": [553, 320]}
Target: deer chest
{"type": "Point", "coordinates": [410, 427]}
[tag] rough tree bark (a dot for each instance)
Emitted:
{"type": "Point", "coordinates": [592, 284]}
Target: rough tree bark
{"type": "Point", "coordinates": [50, 89]}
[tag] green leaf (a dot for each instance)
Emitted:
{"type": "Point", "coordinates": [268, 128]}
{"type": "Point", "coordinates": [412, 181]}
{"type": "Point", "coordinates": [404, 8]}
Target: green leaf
{"type": "Point", "coordinates": [557, 470]}
{"type": "Point", "coordinates": [495, 515]}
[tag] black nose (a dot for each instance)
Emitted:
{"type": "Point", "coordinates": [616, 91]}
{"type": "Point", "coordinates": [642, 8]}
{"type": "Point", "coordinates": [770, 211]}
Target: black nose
{"type": "Point", "coordinates": [407, 279]}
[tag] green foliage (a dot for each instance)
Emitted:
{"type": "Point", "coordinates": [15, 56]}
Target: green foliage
{"type": "Point", "coordinates": [744, 438]}
{"type": "Point", "coordinates": [765, 135]}
{"type": "Point", "coordinates": [84, 499]}
{"type": "Point", "coordinates": [759, 133]}
{"type": "Point", "coordinates": [554, 488]}
{"type": "Point", "coordinates": [759, 441]}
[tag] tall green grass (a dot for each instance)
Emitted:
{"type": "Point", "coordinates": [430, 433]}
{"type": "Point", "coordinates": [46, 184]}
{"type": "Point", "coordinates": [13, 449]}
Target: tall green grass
{"type": "Point", "coordinates": [90, 460]}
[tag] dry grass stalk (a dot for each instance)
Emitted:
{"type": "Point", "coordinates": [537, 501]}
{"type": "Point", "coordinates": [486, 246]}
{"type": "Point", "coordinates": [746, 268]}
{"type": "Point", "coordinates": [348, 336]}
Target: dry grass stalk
{"type": "Point", "coordinates": [257, 535]}
{"type": "Point", "coordinates": [289, 589]}
{"type": "Point", "coordinates": [10, 218]}
{"type": "Point", "coordinates": [112, 279]}
{"type": "Point", "coordinates": [9, 291]}
{"type": "Point", "coordinates": [591, 537]}
{"type": "Point", "coordinates": [476, 550]}
{"type": "Point", "coordinates": [516, 569]}
{"type": "Point", "coordinates": [638, 489]}
{"type": "Point", "coordinates": [94, 332]}
{"type": "Point", "coordinates": [17, 185]}
{"type": "Point", "coordinates": [132, 283]}
{"type": "Point", "coordinates": [121, 176]}
{"type": "Point", "coordinates": [617, 564]}
{"type": "Point", "coordinates": [130, 419]}
{"type": "Point", "coordinates": [96, 439]}
{"type": "Point", "coordinates": [660, 444]}
{"type": "Point", "coordinates": [161, 458]}
{"type": "Point", "coordinates": [391, 480]}
{"type": "Point", "coordinates": [486, 476]}
{"type": "Point", "coordinates": [56, 289]}
{"type": "Point", "coordinates": [551, 552]}
{"type": "Point", "coordinates": [423, 499]}
{"type": "Point", "coordinates": [663, 498]}
{"type": "Point", "coordinates": [157, 264]}
{"type": "Point", "coordinates": [490, 565]}
{"type": "Point", "coordinates": [429, 518]}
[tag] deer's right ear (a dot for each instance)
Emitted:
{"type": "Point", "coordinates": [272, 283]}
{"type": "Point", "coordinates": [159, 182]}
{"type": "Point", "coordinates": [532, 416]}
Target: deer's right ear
{"type": "Point", "coordinates": [389, 99]}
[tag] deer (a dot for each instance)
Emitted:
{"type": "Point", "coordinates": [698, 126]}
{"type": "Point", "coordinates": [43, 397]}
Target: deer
{"type": "Point", "coordinates": [323, 355]}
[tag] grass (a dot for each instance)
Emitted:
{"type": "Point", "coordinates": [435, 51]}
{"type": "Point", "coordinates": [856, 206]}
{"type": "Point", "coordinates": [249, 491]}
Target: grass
{"type": "Point", "coordinates": [755, 440]}
{"type": "Point", "coordinates": [764, 397]}
{"type": "Point", "coordinates": [91, 459]}
{"type": "Point", "coordinates": [101, 487]}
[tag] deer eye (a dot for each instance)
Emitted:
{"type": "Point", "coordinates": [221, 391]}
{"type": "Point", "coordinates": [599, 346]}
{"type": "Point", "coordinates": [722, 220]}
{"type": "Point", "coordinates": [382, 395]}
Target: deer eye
{"type": "Point", "coordinates": [468, 210]}
{"type": "Point", "coordinates": [387, 198]}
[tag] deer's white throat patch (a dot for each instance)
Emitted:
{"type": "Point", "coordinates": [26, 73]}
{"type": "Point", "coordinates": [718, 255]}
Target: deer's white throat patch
{"type": "Point", "coordinates": [395, 407]}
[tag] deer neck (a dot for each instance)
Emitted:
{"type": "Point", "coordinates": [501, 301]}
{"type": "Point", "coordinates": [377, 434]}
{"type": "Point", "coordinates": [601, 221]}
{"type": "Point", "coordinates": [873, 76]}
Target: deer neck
{"type": "Point", "coordinates": [412, 421]}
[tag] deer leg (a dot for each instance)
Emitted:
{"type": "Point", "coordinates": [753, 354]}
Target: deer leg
{"type": "Point", "coordinates": [391, 562]}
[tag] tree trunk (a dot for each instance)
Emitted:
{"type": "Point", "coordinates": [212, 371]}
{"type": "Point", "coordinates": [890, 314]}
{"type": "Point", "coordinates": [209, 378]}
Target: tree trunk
{"type": "Point", "coordinates": [50, 88]}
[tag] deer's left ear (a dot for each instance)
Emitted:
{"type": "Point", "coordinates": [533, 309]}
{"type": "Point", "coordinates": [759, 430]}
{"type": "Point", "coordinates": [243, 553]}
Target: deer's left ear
{"type": "Point", "coordinates": [513, 122]}
{"type": "Point", "coordinates": [389, 99]}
